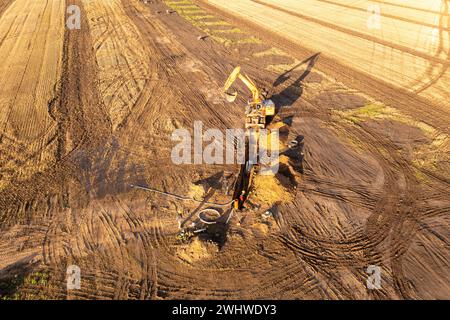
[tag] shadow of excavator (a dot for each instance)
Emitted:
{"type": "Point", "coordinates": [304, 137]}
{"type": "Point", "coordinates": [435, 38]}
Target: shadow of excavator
{"type": "Point", "coordinates": [286, 98]}
{"type": "Point", "coordinates": [13, 276]}
{"type": "Point", "coordinates": [289, 95]}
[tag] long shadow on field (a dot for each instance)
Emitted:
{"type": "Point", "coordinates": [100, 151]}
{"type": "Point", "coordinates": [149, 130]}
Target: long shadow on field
{"type": "Point", "coordinates": [294, 91]}
{"type": "Point", "coordinates": [13, 277]}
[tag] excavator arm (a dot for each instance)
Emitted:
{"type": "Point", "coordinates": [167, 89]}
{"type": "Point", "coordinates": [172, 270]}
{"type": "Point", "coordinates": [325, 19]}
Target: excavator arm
{"type": "Point", "coordinates": [256, 95]}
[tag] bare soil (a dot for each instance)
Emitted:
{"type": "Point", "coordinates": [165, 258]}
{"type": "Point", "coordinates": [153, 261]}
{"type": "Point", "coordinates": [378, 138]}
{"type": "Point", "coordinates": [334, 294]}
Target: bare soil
{"type": "Point", "coordinates": [93, 111]}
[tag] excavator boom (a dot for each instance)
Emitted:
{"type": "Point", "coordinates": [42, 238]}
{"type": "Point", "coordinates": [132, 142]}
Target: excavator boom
{"type": "Point", "coordinates": [246, 80]}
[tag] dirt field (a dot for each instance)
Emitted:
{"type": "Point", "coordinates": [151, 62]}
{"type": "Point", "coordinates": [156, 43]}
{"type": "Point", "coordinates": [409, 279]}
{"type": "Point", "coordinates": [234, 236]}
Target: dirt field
{"type": "Point", "coordinates": [86, 114]}
{"type": "Point", "coordinates": [409, 48]}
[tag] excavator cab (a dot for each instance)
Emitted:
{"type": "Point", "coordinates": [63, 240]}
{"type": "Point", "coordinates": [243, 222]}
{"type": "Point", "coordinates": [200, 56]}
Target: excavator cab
{"type": "Point", "coordinates": [269, 106]}
{"type": "Point", "coordinates": [257, 113]}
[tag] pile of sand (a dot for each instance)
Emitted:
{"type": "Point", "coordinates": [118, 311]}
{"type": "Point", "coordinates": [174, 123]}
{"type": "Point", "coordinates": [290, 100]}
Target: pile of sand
{"type": "Point", "coordinates": [267, 188]}
{"type": "Point", "coordinates": [197, 250]}
{"type": "Point", "coordinates": [288, 172]}
{"type": "Point", "coordinates": [197, 192]}
{"type": "Point", "coordinates": [260, 229]}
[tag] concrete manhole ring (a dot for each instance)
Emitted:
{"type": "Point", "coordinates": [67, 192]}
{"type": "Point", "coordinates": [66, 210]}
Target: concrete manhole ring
{"type": "Point", "coordinates": [209, 216]}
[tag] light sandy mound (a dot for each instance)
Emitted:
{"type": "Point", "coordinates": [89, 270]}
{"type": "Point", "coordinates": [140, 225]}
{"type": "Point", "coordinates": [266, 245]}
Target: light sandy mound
{"type": "Point", "coordinates": [197, 250]}
{"type": "Point", "coordinates": [269, 190]}
{"type": "Point", "coordinates": [260, 229]}
{"type": "Point", "coordinates": [196, 192]}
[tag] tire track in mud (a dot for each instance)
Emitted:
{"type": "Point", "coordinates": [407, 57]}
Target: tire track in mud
{"type": "Point", "coordinates": [397, 206]}
{"type": "Point", "coordinates": [389, 204]}
{"type": "Point", "coordinates": [362, 196]}
{"type": "Point", "coordinates": [320, 251]}
{"type": "Point", "coordinates": [190, 96]}
{"type": "Point", "coordinates": [120, 55]}
{"type": "Point", "coordinates": [4, 5]}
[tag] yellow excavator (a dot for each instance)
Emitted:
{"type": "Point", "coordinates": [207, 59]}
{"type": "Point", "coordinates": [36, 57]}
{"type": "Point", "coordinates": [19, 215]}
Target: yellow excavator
{"type": "Point", "coordinates": [258, 108]}
{"type": "Point", "coordinates": [256, 113]}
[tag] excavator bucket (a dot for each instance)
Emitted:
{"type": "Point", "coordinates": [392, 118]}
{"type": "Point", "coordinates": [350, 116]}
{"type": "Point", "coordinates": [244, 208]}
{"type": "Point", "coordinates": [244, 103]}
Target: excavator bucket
{"type": "Point", "coordinates": [230, 96]}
